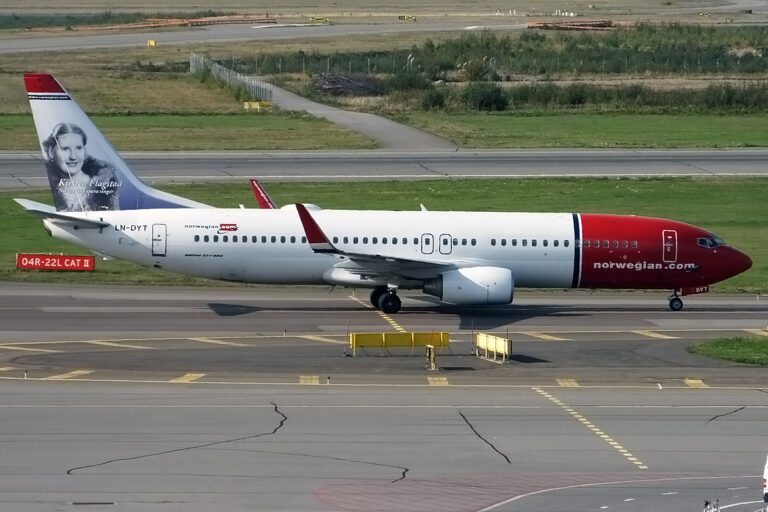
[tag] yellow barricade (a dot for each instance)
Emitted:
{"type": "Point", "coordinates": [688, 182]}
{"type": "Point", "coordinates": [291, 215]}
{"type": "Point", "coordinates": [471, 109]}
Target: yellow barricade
{"type": "Point", "coordinates": [498, 348]}
{"type": "Point", "coordinates": [385, 340]}
{"type": "Point", "coordinates": [151, 43]}
{"type": "Point", "coordinates": [258, 106]}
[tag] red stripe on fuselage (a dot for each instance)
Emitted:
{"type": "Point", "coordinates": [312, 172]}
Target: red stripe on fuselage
{"type": "Point", "coordinates": [642, 252]}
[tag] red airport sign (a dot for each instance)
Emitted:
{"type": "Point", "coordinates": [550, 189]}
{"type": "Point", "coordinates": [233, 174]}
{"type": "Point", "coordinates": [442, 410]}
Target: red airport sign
{"type": "Point", "coordinates": [54, 262]}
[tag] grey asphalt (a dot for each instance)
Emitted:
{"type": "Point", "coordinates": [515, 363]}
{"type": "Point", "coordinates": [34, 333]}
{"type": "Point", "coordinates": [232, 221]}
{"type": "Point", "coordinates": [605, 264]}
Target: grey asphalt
{"type": "Point", "coordinates": [25, 169]}
{"type": "Point", "coordinates": [383, 434]}
{"type": "Point", "coordinates": [224, 33]}
{"type": "Point", "coordinates": [197, 447]}
{"type": "Point", "coordinates": [385, 132]}
{"type": "Point", "coordinates": [277, 334]}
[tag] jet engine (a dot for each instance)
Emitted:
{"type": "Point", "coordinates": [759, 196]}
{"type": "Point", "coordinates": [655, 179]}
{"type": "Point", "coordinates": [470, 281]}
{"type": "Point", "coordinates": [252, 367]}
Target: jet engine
{"type": "Point", "coordinates": [474, 285]}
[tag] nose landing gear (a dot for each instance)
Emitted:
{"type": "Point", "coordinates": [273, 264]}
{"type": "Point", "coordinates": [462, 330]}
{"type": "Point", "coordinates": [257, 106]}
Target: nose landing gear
{"type": "Point", "coordinates": [675, 302]}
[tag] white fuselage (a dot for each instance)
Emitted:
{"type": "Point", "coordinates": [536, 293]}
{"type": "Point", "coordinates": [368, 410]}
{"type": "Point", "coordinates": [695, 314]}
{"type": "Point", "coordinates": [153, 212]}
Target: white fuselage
{"type": "Point", "coordinates": [268, 246]}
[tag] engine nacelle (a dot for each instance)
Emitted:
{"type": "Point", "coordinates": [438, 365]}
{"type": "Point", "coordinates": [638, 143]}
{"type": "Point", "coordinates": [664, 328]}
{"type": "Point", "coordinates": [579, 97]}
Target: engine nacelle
{"type": "Point", "coordinates": [474, 285]}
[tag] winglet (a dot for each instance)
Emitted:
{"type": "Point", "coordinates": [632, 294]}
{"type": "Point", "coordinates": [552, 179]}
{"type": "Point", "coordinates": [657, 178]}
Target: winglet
{"type": "Point", "coordinates": [265, 202]}
{"type": "Point", "coordinates": [315, 236]}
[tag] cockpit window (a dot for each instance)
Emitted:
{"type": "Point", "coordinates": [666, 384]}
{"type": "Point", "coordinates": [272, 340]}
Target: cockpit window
{"type": "Point", "coordinates": [710, 242]}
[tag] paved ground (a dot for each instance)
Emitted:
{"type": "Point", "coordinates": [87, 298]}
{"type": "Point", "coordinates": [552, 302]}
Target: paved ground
{"type": "Point", "coordinates": [387, 133]}
{"type": "Point", "coordinates": [199, 447]}
{"type": "Point", "coordinates": [266, 334]}
{"type": "Point", "coordinates": [196, 399]}
{"type": "Point", "coordinates": [20, 170]}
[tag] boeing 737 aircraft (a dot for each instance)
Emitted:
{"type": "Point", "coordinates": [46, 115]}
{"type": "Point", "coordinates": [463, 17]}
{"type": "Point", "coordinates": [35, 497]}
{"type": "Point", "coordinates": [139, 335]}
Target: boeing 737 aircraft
{"type": "Point", "coordinates": [460, 257]}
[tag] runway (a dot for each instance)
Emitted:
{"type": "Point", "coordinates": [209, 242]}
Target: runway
{"type": "Point", "coordinates": [229, 33]}
{"type": "Point", "coordinates": [21, 170]}
{"type": "Point", "coordinates": [188, 399]}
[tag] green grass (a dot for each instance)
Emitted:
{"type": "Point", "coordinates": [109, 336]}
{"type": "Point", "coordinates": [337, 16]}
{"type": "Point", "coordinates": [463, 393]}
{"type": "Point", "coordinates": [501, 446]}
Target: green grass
{"type": "Point", "coordinates": [592, 130]}
{"type": "Point", "coordinates": [200, 132]}
{"type": "Point", "coordinates": [732, 208]}
{"type": "Point", "coordinates": [740, 350]}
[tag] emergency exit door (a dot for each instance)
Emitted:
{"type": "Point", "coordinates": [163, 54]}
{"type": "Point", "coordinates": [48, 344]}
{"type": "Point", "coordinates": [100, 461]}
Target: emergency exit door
{"type": "Point", "coordinates": [669, 243]}
{"type": "Point", "coordinates": [158, 239]}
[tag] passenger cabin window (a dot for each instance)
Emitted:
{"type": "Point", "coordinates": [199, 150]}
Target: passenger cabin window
{"type": "Point", "coordinates": [624, 244]}
{"type": "Point", "coordinates": [374, 240]}
{"type": "Point", "coordinates": [354, 240]}
{"type": "Point", "coordinates": [634, 244]}
{"type": "Point", "coordinates": [615, 244]}
{"type": "Point", "coordinates": [556, 242]}
{"type": "Point", "coordinates": [504, 242]}
{"type": "Point", "coordinates": [384, 240]}
{"type": "Point", "coordinates": [606, 244]}
{"type": "Point", "coordinates": [514, 242]}
{"type": "Point", "coordinates": [346, 240]}
{"type": "Point", "coordinates": [545, 243]}
{"type": "Point", "coordinates": [473, 241]}
{"type": "Point", "coordinates": [335, 239]}
{"type": "Point", "coordinates": [533, 243]}
{"type": "Point", "coordinates": [234, 238]}
{"type": "Point", "coordinates": [254, 239]}
{"type": "Point", "coordinates": [215, 238]}
{"type": "Point", "coordinates": [565, 243]}
{"type": "Point", "coordinates": [303, 239]}
{"type": "Point", "coordinates": [463, 241]}
{"type": "Point", "coordinates": [197, 238]}
{"type": "Point", "coordinates": [525, 242]}
{"type": "Point", "coordinates": [273, 239]}
{"type": "Point", "coordinates": [394, 240]}
{"type": "Point", "coordinates": [225, 238]}
{"type": "Point", "coordinates": [493, 241]}
{"type": "Point", "coordinates": [293, 239]}
{"type": "Point", "coordinates": [205, 238]}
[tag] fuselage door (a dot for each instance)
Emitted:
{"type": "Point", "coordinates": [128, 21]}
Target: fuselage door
{"type": "Point", "coordinates": [427, 243]}
{"type": "Point", "coordinates": [669, 243]}
{"type": "Point", "coordinates": [158, 239]}
{"type": "Point", "coordinates": [445, 244]}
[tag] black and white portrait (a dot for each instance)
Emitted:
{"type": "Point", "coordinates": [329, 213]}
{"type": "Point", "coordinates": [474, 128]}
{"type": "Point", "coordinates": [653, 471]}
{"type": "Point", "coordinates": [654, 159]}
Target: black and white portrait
{"type": "Point", "coordinates": [79, 182]}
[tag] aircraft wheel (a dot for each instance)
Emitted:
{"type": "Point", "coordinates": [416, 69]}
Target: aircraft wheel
{"type": "Point", "coordinates": [376, 295]}
{"type": "Point", "coordinates": [675, 304]}
{"type": "Point", "coordinates": [389, 303]}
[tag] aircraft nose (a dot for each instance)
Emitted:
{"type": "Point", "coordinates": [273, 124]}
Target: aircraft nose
{"type": "Point", "coordinates": [740, 262]}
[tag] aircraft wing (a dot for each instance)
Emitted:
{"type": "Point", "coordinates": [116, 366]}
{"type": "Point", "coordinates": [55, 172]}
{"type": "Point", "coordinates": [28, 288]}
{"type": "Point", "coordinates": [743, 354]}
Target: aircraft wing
{"type": "Point", "coordinates": [49, 212]}
{"type": "Point", "coordinates": [371, 264]}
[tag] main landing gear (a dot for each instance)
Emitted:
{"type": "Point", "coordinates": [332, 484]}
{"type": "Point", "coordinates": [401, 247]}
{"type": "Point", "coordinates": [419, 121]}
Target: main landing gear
{"type": "Point", "coordinates": [385, 299]}
{"type": "Point", "coordinates": [675, 302]}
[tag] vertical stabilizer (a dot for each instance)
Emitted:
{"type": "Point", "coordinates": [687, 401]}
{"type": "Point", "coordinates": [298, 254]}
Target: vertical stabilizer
{"type": "Point", "coordinates": [84, 170]}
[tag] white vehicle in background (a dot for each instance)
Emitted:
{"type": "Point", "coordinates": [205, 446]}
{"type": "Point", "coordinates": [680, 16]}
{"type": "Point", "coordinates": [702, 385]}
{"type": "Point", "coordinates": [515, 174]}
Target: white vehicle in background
{"type": "Point", "coordinates": [765, 482]}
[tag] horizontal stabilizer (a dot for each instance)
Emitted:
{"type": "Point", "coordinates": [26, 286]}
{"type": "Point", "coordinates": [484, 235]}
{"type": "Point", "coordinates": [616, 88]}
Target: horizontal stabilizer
{"type": "Point", "coordinates": [46, 211]}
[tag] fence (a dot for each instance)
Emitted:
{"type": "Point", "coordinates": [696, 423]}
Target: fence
{"type": "Point", "coordinates": [258, 89]}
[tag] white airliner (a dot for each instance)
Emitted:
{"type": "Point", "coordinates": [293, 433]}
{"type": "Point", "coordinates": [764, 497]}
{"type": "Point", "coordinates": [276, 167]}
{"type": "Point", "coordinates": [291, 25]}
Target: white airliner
{"type": "Point", "coordinates": [460, 257]}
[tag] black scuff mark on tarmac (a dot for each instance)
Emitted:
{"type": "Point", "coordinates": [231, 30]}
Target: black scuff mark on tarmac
{"type": "Point", "coordinates": [438, 173]}
{"type": "Point", "coordinates": [403, 470]}
{"type": "Point", "coordinates": [713, 418]}
{"type": "Point", "coordinates": [21, 180]}
{"type": "Point", "coordinates": [283, 419]}
{"type": "Point", "coordinates": [469, 424]}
